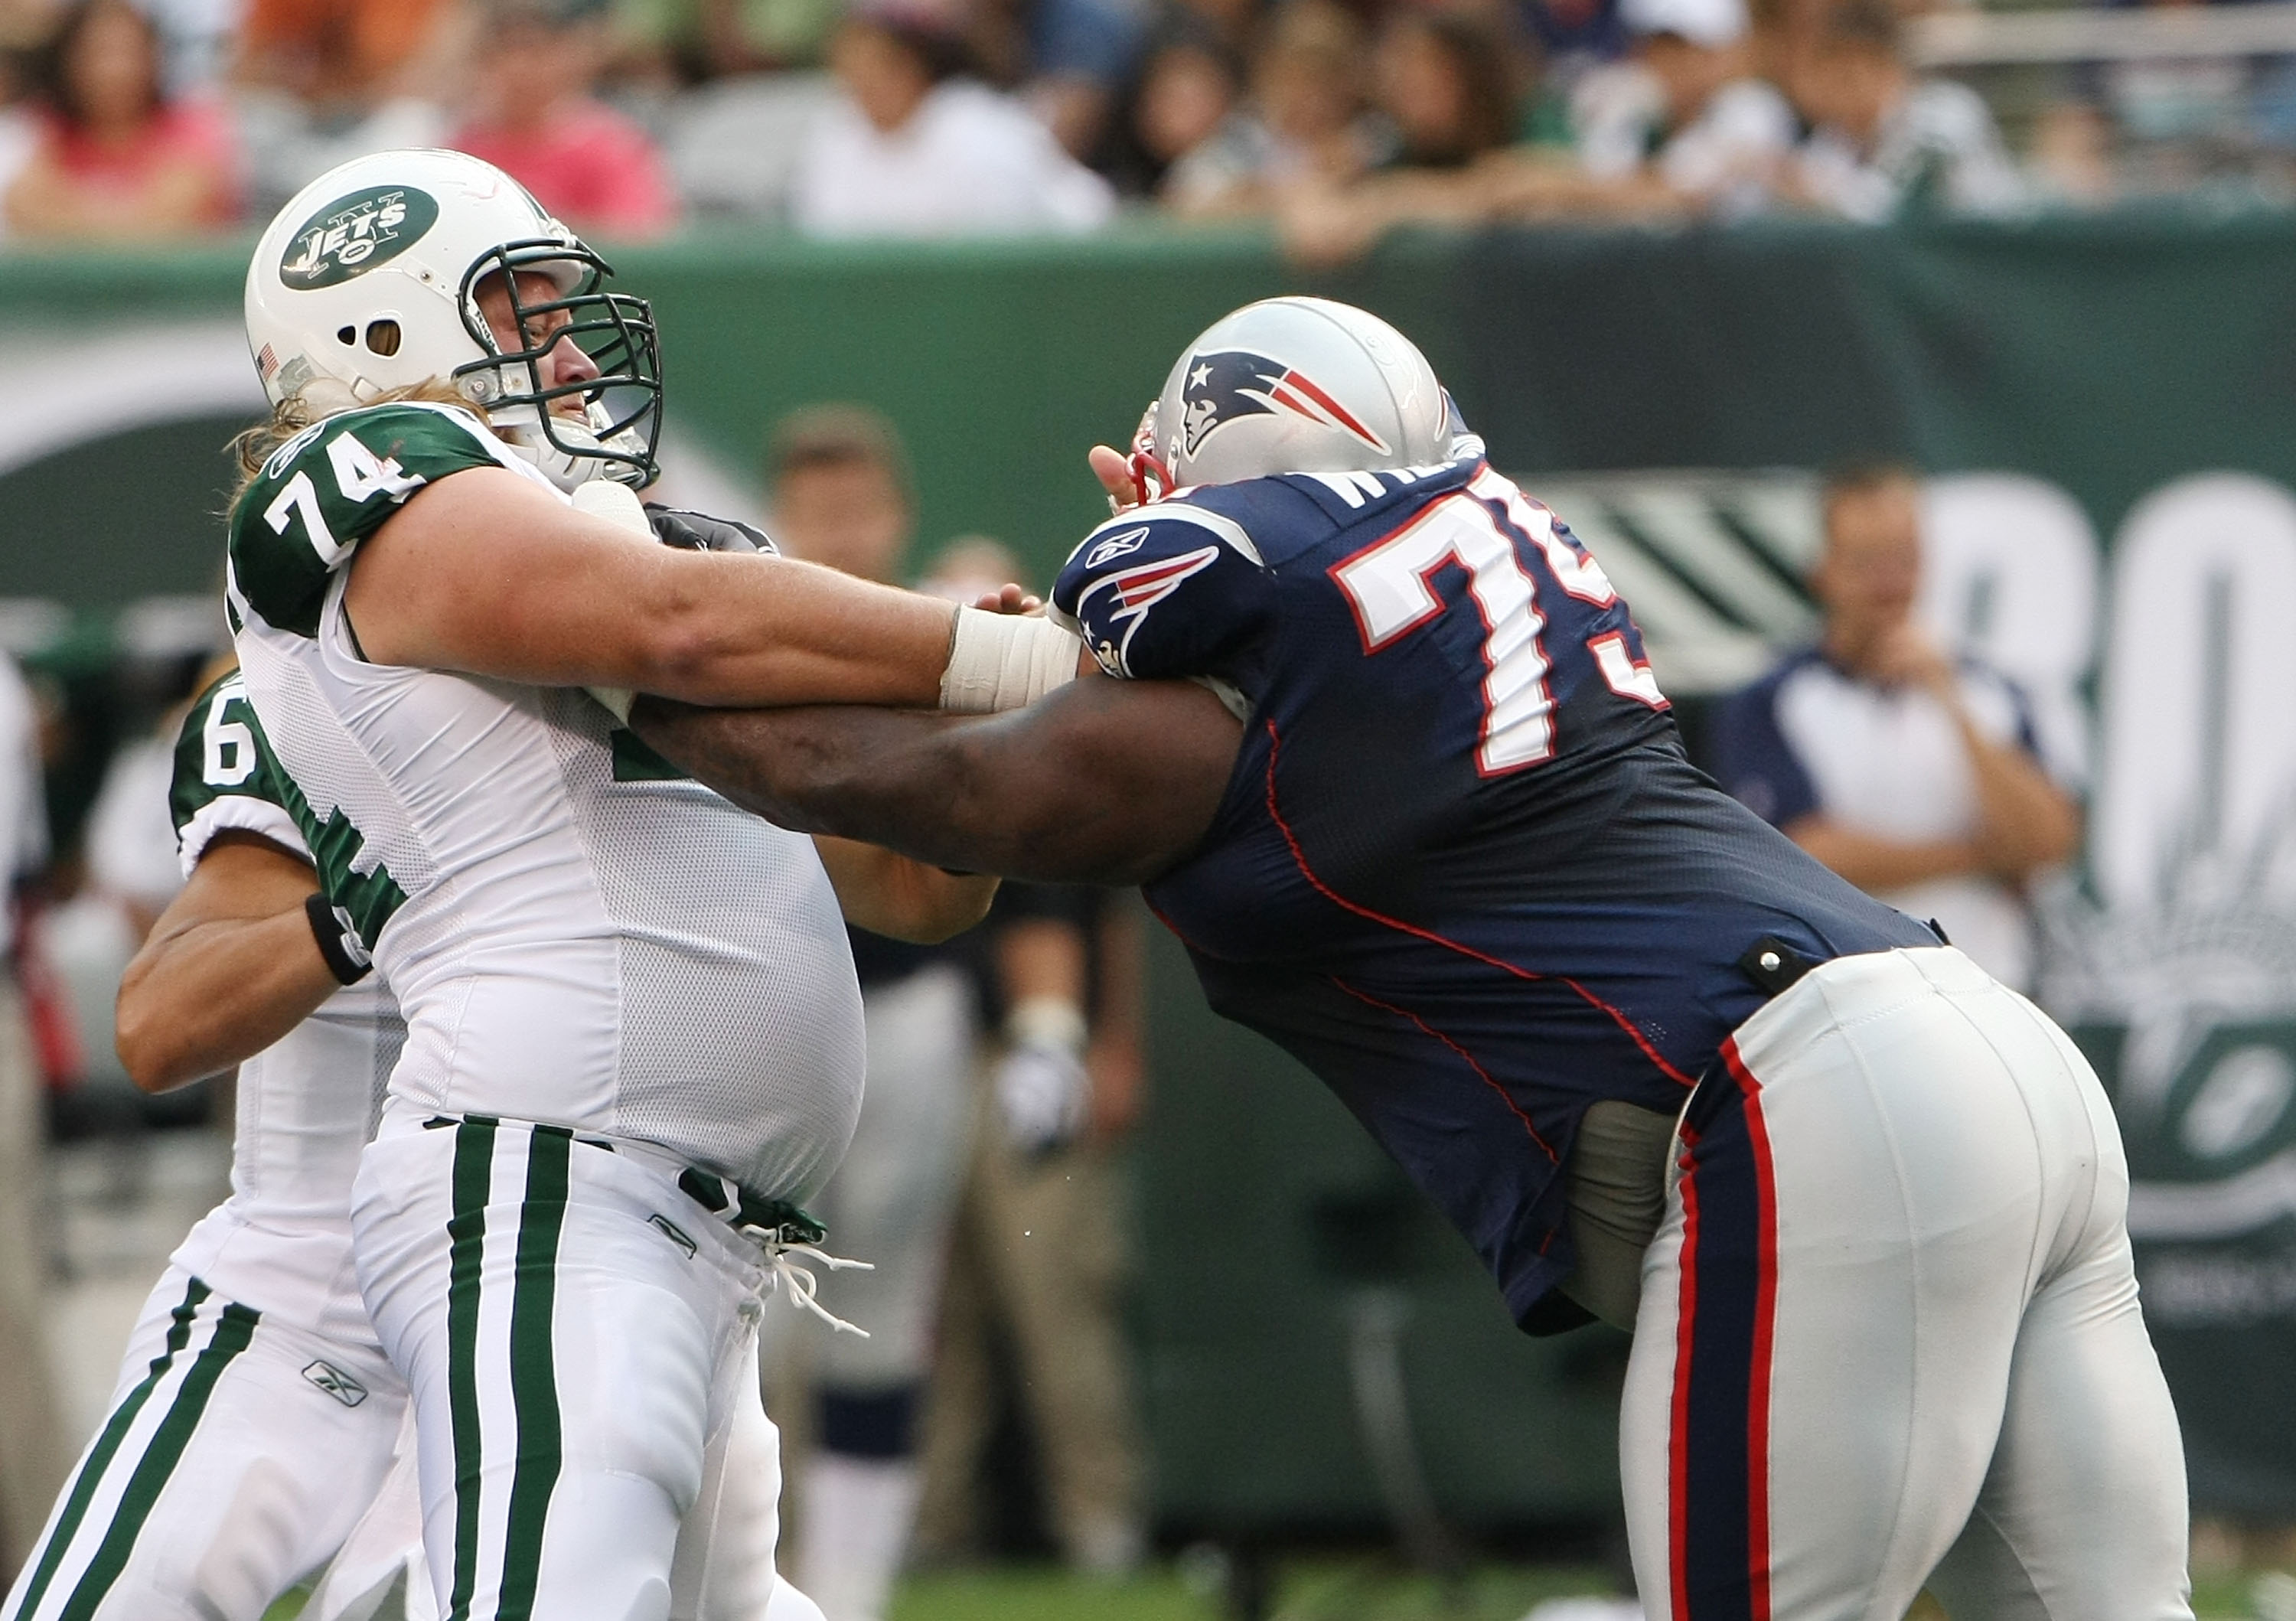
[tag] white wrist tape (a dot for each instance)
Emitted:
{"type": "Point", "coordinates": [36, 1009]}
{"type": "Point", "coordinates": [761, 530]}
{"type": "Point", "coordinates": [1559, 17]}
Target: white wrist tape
{"type": "Point", "coordinates": [1001, 661]}
{"type": "Point", "coordinates": [618, 504]}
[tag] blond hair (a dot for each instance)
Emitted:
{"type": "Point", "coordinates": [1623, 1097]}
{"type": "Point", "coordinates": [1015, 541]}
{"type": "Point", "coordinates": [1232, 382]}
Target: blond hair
{"type": "Point", "coordinates": [252, 447]}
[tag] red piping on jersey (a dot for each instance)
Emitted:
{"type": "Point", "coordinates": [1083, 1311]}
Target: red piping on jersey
{"type": "Point", "coordinates": [1299, 858]}
{"type": "Point", "coordinates": [1468, 1058]}
{"type": "Point", "coordinates": [1766, 1306]}
{"type": "Point", "coordinates": [1685, 1317]}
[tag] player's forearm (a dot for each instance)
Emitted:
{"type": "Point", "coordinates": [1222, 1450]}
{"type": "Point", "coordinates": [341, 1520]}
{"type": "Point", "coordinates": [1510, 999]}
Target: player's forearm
{"type": "Point", "coordinates": [1102, 782]}
{"type": "Point", "coordinates": [1878, 865]}
{"type": "Point", "coordinates": [487, 574]}
{"type": "Point", "coordinates": [198, 1001]}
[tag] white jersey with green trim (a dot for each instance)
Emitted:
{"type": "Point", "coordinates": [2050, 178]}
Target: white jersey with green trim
{"type": "Point", "coordinates": [305, 1105]}
{"type": "Point", "coordinates": [578, 934]}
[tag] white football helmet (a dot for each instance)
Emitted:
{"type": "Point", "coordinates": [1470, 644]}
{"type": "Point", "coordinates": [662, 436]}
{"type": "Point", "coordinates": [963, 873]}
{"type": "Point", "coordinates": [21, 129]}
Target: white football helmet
{"type": "Point", "coordinates": [368, 281]}
{"type": "Point", "coordinates": [1298, 385]}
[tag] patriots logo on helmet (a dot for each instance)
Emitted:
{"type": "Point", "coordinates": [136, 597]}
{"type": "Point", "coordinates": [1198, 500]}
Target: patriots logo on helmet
{"type": "Point", "coordinates": [1231, 384]}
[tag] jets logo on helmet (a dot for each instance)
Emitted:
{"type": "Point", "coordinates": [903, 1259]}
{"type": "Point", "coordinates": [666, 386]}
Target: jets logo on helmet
{"type": "Point", "coordinates": [1224, 387]}
{"type": "Point", "coordinates": [356, 234]}
{"type": "Point", "coordinates": [369, 281]}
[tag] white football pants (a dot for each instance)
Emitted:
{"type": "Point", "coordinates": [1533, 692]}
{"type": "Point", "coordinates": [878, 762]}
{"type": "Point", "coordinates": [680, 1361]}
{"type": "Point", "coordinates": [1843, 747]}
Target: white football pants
{"type": "Point", "coordinates": [238, 1453]}
{"type": "Point", "coordinates": [579, 1336]}
{"type": "Point", "coordinates": [1890, 1328]}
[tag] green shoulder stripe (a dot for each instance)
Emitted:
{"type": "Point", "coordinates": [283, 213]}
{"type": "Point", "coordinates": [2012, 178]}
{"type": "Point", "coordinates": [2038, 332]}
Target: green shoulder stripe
{"type": "Point", "coordinates": [221, 751]}
{"type": "Point", "coordinates": [330, 488]}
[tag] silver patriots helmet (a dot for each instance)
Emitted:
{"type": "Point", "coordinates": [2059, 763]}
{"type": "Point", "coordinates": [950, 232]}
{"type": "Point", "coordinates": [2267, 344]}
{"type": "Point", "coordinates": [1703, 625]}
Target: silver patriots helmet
{"type": "Point", "coordinates": [1298, 385]}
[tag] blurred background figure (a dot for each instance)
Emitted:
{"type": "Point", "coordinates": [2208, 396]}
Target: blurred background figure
{"type": "Point", "coordinates": [320, 82]}
{"type": "Point", "coordinates": [688, 41]}
{"type": "Point", "coordinates": [918, 147]}
{"type": "Point", "coordinates": [1304, 126]}
{"type": "Point", "coordinates": [1190, 93]}
{"type": "Point", "coordinates": [1687, 123]}
{"type": "Point", "coordinates": [34, 1451]}
{"type": "Point", "coordinates": [839, 485]}
{"type": "Point", "coordinates": [533, 111]}
{"type": "Point", "coordinates": [1033, 1316]}
{"type": "Point", "coordinates": [1885, 139]}
{"type": "Point", "coordinates": [117, 157]}
{"type": "Point", "coordinates": [1915, 775]}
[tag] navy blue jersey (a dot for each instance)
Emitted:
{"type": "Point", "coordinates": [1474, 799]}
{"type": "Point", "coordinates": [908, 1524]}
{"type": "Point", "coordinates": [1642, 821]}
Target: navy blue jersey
{"type": "Point", "coordinates": [1464, 870]}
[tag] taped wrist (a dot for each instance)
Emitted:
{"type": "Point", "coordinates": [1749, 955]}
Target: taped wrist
{"type": "Point", "coordinates": [339, 941]}
{"type": "Point", "coordinates": [1001, 661]}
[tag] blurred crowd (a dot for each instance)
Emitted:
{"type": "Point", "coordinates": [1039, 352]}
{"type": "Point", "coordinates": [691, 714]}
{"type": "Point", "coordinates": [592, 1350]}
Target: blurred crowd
{"type": "Point", "coordinates": [142, 120]}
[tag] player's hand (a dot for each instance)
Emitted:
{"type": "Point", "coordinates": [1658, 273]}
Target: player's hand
{"type": "Point", "coordinates": [699, 532]}
{"type": "Point", "coordinates": [1113, 469]}
{"type": "Point", "coordinates": [1009, 599]}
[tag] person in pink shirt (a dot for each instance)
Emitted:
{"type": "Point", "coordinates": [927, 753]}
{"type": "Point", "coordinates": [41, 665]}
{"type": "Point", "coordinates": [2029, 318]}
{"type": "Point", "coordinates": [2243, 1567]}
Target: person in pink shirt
{"type": "Point", "coordinates": [117, 160]}
{"type": "Point", "coordinates": [533, 115]}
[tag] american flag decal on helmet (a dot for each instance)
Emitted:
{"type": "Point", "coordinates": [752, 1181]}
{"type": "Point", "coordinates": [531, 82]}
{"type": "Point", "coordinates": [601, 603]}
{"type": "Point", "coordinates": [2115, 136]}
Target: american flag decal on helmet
{"type": "Point", "coordinates": [1136, 590]}
{"type": "Point", "coordinates": [1224, 386]}
{"type": "Point", "coordinates": [266, 361]}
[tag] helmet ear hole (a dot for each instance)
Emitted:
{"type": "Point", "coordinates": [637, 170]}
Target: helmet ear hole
{"type": "Point", "coordinates": [382, 337]}
{"type": "Point", "coordinates": [347, 336]}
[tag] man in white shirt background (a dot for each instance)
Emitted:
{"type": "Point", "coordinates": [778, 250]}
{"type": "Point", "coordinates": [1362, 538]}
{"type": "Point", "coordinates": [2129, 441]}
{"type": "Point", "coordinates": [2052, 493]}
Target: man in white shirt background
{"type": "Point", "coordinates": [917, 147]}
{"type": "Point", "coordinates": [1918, 777]}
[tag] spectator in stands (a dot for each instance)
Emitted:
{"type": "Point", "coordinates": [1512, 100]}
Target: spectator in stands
{"type": "Point", "coordinates": [33, 1459]}
{"type": "Point", "coordinates": [1446, 83]}
{"type": "Point", "coordinates": [534, 114]}
{"type": "Point", "coordinates": [1573, 35]}
{"type": "Point", "coordinates": [917, 147]}
{"type": "Point", "coordinates": [1686, 125]}
{"type": "Point", "coordinates": [703, 39]}
{"type": "Point", "coordinates": [1075, 57]}
{"type": "Point", "coordinates": [1886, 140]}
{"type": "Point", "coordinates": [117, 160]}
{"type": "Point", "coordinates": [1305, 126]}
{"type": "Point", "coordinates": [1914, 776]}
{"type": "Point", "coordinates": [1444, 80]}
{"type": "Point", "coordinates": [323, 81]}
{"type": "Point", "coordinates": [1189, 89]}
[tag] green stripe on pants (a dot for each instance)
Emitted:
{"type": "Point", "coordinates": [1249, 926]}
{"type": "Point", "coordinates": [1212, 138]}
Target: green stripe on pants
{"type": "Point", "coordinates": [232, 1332]}
{"type": "Point", "coordinates": [533, 1374]}
{"type": "Point", "coordinates": [107, 1446]}
{"type": "Point", "coordinates": [466, 1233]}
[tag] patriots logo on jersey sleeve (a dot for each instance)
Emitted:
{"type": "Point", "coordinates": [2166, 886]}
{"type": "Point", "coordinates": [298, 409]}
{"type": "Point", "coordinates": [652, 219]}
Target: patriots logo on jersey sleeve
{"type": "Point", "coordinates": [1232, 384]}
{"type": "Point", "coordinates": [1127, 595]}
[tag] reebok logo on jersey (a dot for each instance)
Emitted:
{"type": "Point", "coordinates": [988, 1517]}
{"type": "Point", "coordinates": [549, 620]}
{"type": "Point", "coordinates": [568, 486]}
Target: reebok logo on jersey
{"type": "Point", "coordinates": [1116, 545]}
{"type": "Point", "coordinates": [1225, 386]}
{"type": "Point", "coordinates": [336, 1383]}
